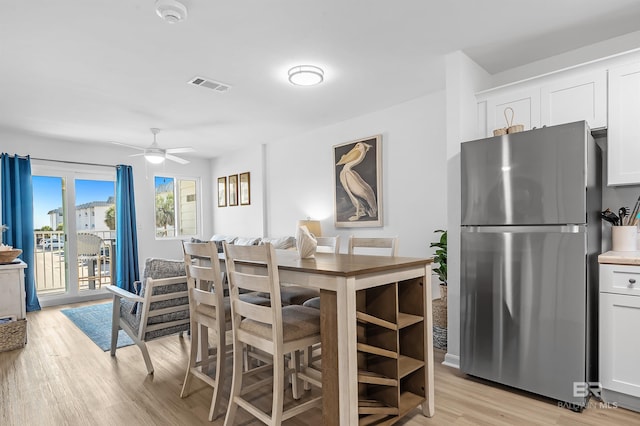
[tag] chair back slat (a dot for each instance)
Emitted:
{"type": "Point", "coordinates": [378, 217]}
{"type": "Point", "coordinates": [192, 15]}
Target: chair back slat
{"type": "Point", "coordinates": [390, 243]}
{"type": "Point", "coordinates": [202, 264]}
{"type": "Point", "coordinates": [163, 296]}
{"type": "Point", "coordinates": [252, 282]}
{"type": "Point", "coordinates": [328, 244]}
{"type": "Point", "coordinates": [252, 311]}
{"type": "Point", "coordinates": [254, 268]}
{"type": "Point", "coordinates": [163, 311]}
{"type": "Point", "coordinates": [168, 324]}
{"type": "Point", "coordinates": [204, 279]}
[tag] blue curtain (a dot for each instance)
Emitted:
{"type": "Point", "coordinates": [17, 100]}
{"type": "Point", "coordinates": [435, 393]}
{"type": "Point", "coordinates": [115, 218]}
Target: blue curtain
{"type": "Point", "coordinates": [126, 236]}
{"type": "Point", "coordinates": [17, 214]}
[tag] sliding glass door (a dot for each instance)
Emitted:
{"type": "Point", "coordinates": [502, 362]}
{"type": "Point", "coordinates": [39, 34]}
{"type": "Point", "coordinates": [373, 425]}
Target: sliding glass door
{"type": "Point", "coordinates": [74, 218]}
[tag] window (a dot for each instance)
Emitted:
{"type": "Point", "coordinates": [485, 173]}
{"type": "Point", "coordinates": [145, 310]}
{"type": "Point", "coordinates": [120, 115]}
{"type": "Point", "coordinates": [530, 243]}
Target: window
{"type": "Point", "coordinates": [176, 207]}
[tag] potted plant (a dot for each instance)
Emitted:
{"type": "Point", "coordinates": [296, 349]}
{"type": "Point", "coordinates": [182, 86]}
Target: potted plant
{"type": "Point", "coordinates": [440, 258]}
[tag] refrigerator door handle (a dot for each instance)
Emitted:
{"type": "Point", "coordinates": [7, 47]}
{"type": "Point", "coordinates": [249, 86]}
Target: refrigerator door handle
{"type": "Point", "coordinates": [564, 229]}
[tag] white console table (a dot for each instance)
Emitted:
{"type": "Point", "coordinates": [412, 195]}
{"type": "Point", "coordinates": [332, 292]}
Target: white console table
{"type": "Point", "coordinates": [13, 300]}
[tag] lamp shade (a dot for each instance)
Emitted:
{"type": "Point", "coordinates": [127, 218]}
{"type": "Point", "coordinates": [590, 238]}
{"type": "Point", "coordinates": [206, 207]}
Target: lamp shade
{"type": "Point", "coordinates": [312, 225]}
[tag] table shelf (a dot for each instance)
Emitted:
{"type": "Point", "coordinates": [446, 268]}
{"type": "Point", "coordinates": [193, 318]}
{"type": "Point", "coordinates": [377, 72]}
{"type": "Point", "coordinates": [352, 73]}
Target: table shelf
{"type": "Point", "coordinates": [391, 350]}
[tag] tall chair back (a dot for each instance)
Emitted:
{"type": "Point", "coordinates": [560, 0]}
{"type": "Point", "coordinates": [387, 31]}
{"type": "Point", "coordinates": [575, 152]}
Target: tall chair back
{"type": "Point", "coordinates": [207, 312]}
{"type": "Point", "coordinates": [273, 329]}
{"type": "Point", "coordinates": [373, 245]}
{"type": "Point", "coordinates": [328, 244]}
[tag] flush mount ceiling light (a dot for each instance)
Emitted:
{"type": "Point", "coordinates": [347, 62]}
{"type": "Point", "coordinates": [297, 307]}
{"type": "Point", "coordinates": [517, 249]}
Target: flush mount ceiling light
{"type": "Point", "coordinates": [306, 75]}
{"type": "Point", "coordinates": [171, 11]}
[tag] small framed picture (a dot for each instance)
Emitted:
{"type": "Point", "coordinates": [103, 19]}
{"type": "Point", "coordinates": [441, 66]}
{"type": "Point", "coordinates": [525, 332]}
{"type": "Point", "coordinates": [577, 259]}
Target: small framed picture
{"type": "Point", "coordinates": [222, 191]}
{"type": "Point", "coordinates": [233, 190]}
{"type": "Point", "coordinates": [245, 189]}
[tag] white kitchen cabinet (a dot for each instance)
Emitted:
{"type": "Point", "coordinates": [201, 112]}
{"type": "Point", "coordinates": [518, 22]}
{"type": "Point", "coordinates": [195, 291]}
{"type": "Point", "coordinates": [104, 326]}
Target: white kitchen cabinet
{"type": "Point", "coordinates": [575, 97]}
{"type": "Point", "coordinates": [524, 102]}
{"type": "Point", "coordinates": [619, 345]}
{"type": "Point", "coordinates": [623, 135]}
{"type": "Point", "coordinates": [12, 294]}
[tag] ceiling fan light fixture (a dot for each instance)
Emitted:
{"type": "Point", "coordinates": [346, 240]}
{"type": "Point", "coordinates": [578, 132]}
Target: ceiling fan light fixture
{"type": "Point", "coordinates": [154, 157]}
{"type": "Point", "coordinates": [306, 75]}
{"type": "Point", "coordinates": [172, 11]}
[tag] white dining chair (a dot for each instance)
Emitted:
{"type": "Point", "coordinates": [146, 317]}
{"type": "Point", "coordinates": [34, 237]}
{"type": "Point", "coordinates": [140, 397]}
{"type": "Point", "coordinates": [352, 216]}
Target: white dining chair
{"type": "Point", "coordinates": [274, 329]}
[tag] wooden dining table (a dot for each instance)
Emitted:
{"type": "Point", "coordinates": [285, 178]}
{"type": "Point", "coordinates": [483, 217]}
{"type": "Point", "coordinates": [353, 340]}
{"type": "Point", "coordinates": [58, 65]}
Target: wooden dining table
{"type": "Point", "coordinates": [340, 278]}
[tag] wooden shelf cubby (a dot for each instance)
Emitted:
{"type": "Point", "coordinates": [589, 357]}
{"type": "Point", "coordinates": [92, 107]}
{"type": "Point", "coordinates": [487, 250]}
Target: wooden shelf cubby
{"type": "Point", "coordinates": [391, 350]}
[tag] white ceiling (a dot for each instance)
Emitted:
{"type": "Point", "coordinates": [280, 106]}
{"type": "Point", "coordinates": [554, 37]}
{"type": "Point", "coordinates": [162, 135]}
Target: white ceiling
{"type": "Point", "coordinates": [108, 70]}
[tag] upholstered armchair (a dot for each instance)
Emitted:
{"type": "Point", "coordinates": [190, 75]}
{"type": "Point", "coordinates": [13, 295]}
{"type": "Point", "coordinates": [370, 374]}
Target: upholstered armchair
{"type": "Point", "coordinates": [160, 307]}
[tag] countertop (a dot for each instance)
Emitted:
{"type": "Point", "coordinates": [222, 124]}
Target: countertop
{"type": "Point", "coordinates": [620, 257]}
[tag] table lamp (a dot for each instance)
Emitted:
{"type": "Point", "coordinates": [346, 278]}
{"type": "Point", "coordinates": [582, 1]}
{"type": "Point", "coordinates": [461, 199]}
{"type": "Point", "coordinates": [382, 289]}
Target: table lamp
{"type": "Point", "coordinates": [312, 225]}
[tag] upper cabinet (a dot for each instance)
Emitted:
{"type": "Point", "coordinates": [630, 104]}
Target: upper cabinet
{"type": "Point", "coordinates": [575, 98]}
{"type": "Point", "coordinates": [624, 125]}
{"type": "Point", "coordinates": [525, 105]}
{"type": "Point", "coordinates": [557, 99]}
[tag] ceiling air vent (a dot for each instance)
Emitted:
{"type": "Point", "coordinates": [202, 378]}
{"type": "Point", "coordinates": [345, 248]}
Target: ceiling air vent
{"type": "Point", "coordinates": [209, 84]}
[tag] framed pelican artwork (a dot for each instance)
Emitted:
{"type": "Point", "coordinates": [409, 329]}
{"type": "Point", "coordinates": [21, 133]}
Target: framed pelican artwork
{"type": "Point", "coordinates": [358, 183]}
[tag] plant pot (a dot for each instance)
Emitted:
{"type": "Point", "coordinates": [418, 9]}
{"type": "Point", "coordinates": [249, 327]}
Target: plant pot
{"type": "Point", "coordinates": [443, 292]}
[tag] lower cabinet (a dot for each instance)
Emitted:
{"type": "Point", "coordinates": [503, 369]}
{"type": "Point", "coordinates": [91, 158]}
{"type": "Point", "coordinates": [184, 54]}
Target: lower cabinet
{"type": "Point", "coordinates": [391, 351]}
{"type": "Point", "coordinates": [618, 335]}
{"type": "Point", "coordinates": [12, 293]}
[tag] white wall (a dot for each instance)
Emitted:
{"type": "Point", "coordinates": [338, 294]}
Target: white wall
{"type": "Point", "coordinates": [246, 221]}
{"type": "Point", "coordinates": [14, 142]}
{"type": "Point", "coordinates": [463, 78]}
{"type": "Point", "coordinates": [299, 176]}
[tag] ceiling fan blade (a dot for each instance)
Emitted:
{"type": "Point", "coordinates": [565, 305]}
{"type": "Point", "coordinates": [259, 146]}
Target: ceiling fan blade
{"type": "Point", "coordinates": [128, 146]}
{"type": "Point", "coordinates": [137, 155]}
{"type": "Point", "coordinates": [179, 150]}
{"type": "Point", "coordinates": [176, 159]}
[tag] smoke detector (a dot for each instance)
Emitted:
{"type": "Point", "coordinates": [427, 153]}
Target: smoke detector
{"type": "Point", "coordinates": [171, 11]}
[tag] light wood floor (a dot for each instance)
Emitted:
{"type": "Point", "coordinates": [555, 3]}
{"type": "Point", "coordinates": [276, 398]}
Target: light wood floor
{"type": "Point", "coordinates": [62, 378]}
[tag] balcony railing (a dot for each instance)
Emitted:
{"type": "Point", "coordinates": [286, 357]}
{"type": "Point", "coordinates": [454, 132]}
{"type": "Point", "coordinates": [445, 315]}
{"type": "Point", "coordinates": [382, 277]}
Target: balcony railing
{"type": "Point", "coordinates": [50, 272]}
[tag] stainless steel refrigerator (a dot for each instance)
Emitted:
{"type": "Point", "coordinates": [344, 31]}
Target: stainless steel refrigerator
{"type": "Point", "coordinates": [530, 237]}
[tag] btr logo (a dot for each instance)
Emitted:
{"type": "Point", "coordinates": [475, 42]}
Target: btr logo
{"type": "Point", "coordinates": [583, 389]}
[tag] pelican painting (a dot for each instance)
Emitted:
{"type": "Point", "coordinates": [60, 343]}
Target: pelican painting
{"type": "Point", "coordinates": [361, 201]}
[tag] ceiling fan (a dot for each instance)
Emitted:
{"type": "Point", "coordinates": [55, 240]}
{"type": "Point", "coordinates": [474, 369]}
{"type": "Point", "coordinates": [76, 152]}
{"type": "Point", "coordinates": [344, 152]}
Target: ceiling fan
{"type": "Point", "coordinates": [156, 155]}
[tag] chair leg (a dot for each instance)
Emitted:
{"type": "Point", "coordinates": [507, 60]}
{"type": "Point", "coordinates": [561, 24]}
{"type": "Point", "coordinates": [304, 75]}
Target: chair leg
{"type": "Point", "coordinates": [115, 324]}
{"type": "Point", "coordinates": [221, 354]}
{"type": "Point", "coordinates": [294, 363]}
{"type": "Point", "coordinates": [236, 384]}
{"type": "Point", "coordinates": [278, 390]}
{"type": "Point", "coordinates": [145, 355]}
{"type": "Point", "coordinates": [203, 355]}
{"type": "Point", "coordinates": [193, 354]}
{"type": "Point", "coordinates": [308, 362]}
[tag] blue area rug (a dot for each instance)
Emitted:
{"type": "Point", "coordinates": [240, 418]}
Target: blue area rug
{"type": "Point", "coordinates": [95, 322]}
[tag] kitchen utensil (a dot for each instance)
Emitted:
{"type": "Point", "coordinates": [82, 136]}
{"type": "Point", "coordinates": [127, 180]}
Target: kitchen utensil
{"type": "Point", "coordinates": [610, 217]}
{"type": "Point", "coordinates": [622, 213]}
{"type": "Point", "coordinates": [635, 212]}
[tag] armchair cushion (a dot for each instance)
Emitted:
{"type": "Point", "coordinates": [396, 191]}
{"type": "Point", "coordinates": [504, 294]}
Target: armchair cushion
{"type": "Point", "coordinates": [162, 268]}
{"type": "Point", "coordinates": [157, 268]}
